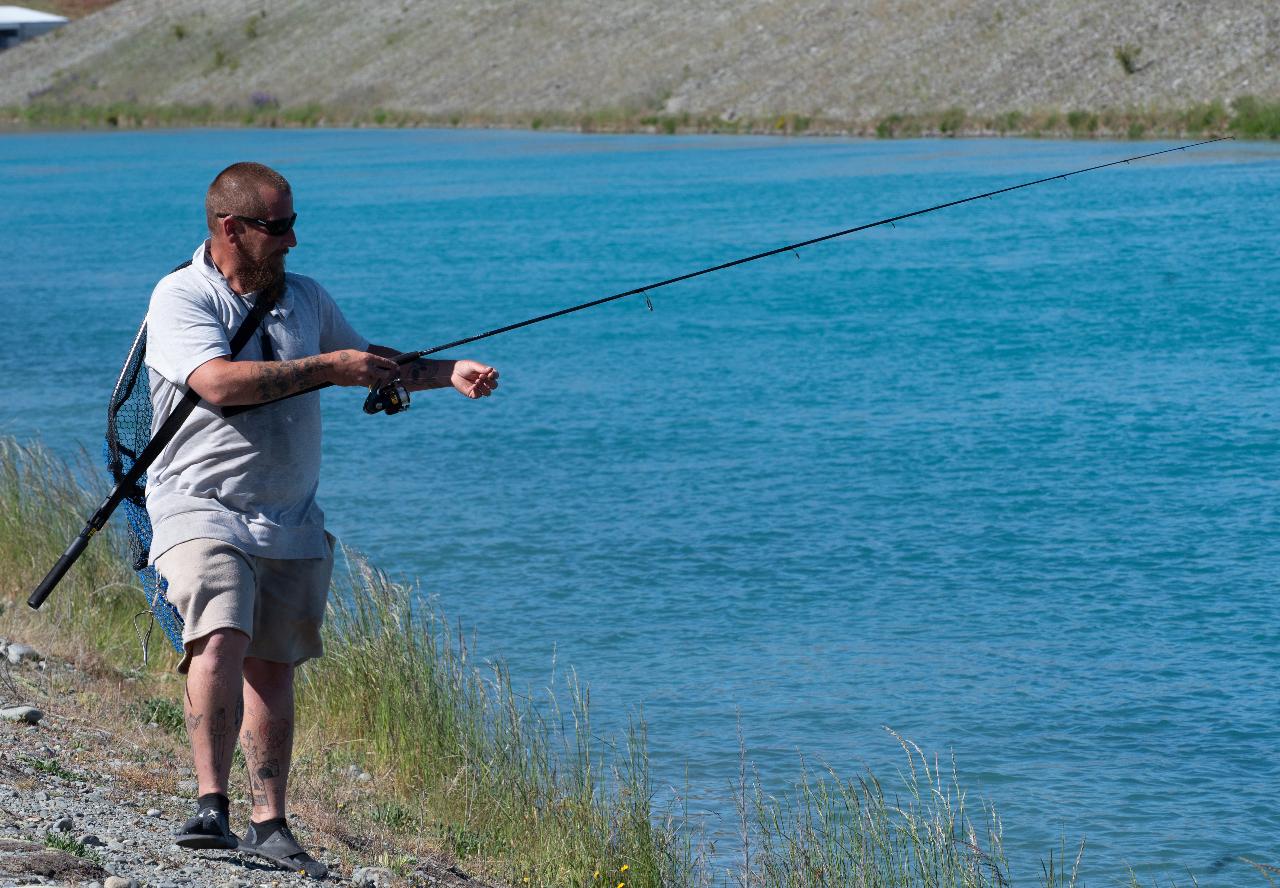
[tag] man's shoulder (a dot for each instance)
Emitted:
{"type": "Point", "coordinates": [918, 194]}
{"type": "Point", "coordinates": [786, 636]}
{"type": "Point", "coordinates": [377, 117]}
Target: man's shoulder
{"type": "Point", "coordinates": [184, 287]}
{"type": "Point", "coordinates": [301, 283]}
{"type": "Point", "coordinates": [184, 277]}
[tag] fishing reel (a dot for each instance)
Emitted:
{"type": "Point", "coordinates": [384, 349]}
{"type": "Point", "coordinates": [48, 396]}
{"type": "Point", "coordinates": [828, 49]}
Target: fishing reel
{"type": "Point", "coordinates": [390, 399]}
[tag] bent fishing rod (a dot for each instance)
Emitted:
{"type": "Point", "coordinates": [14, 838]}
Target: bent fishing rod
{"type": "Point", "coordinates": [392, 398]}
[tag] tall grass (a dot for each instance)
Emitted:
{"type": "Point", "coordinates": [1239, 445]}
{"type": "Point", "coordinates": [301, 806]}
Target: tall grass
{"type": "Point", "coordinates": [43, 506]}
{"type": "Point", "coordinates": [462, 759]}
{"type": "Point", "coordinates": [471, 759]}
{"type": "Point", "coordinates": [840, 832]}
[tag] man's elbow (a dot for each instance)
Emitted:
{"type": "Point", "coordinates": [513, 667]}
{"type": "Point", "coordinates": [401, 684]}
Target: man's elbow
{"type": "Point", "coordinates": [214, 383]}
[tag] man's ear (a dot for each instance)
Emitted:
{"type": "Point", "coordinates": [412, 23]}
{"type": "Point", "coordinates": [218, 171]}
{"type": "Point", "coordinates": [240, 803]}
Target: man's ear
{"type": "Point", "coordinates": [230, 228]}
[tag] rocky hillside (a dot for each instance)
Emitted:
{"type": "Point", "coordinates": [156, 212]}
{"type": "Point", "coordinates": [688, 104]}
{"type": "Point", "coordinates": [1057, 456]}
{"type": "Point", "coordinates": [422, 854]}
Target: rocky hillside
{"type": "Point", "coordinates": [835, 64]}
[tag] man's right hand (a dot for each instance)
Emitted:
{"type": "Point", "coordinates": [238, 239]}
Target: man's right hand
{"type": "Point", "coordinates": [352, 367]}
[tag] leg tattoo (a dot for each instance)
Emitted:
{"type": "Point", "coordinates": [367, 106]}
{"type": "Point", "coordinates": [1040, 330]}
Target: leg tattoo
{"type": "Point", "coordinates": [263, 753]}
{"type": "Point", "coordinates": [218, 733]}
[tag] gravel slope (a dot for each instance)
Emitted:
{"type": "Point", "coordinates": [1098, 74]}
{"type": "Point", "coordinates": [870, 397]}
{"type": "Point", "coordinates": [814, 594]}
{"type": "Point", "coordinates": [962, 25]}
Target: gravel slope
{"type": "Point", "coordinates": [842, 61]}
{"type": "Point", "coordinates": [86, 797]}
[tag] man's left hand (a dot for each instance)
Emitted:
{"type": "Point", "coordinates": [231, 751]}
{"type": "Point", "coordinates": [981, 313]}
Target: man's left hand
{"type": "Point", "coordinates": [473, 379]}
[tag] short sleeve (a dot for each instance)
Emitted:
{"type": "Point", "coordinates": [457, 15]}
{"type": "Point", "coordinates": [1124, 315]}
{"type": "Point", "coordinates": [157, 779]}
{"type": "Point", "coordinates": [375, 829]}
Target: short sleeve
{"type": "Point", "coordinates": [183, 332]}
{"type": "Point", "coordinates": [335, 331]}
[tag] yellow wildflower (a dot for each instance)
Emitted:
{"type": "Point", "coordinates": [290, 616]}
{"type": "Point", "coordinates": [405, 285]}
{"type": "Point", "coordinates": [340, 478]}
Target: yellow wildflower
{"type": "Point", "coordinates": [625, 867]}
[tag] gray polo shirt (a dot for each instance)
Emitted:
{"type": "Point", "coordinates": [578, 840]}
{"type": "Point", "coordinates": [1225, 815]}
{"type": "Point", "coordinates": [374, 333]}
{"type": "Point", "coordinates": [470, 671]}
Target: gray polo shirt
{"type": "Point", "coordinates": [249, 480]}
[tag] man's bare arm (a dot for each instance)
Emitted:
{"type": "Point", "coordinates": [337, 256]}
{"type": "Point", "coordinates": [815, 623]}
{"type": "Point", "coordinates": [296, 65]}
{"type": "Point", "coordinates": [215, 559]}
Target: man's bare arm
{"type": "Point", "coordinates": [471, 378]}
{"type": "Point", "coordinates": [226, 383]}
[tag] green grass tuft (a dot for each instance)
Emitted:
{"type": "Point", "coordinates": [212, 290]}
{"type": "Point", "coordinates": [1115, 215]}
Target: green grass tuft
{"type": "Point", "coordinates": [163, 712]}
{"type": "Point", "coordinates": [64, 842]}
{"type": "Point", "coordinates": [49, 766]}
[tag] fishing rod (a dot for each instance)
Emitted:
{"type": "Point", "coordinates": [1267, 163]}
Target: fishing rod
{"type": "Point", "coordinates": [392, 398]}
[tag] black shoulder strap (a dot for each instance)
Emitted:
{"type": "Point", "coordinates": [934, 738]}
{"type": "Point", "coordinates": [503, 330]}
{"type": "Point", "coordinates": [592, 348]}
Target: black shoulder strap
{"type": "Point", "coordinates": [261, 306]}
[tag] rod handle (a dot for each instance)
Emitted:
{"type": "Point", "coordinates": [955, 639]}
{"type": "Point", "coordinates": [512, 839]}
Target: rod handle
{"type": "Point", "coordinates": [59, 570]}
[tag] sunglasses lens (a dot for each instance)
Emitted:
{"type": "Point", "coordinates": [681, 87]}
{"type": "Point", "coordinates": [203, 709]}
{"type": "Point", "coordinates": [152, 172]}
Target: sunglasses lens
{"type": "Point", "coordinates": [278, 227]}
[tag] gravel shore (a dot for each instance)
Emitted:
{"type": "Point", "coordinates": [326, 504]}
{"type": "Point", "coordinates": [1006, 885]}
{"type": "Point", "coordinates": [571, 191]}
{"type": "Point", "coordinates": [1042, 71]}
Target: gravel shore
{"type": "Point", "coordinates": [87, 802]}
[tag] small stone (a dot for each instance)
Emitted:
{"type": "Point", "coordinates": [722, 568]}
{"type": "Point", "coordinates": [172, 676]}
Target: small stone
{"type": "Point", "coordinates": [154, 812]}
{"type": "Point", "coordinates": [364, 777]}
{"type": "Point", "coordinates": [371, 877]}
{"type": "Point", "coordinates": [28, 714]}
{"type": "Point", "coordinates": [89, 840]}
{"type": "Point", "coordinates": [188, 786]}
{"type": "Point", "coordinates": [17, 652]}
{"type": "Point", "coordinates": [63, 824]}
{"type": "Point", "coordinates": [120, 882]}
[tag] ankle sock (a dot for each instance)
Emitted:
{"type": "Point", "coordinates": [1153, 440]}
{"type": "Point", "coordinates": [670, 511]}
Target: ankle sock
{"type": "Point", "coordinates": [215, 800]}
{"type": "Point", "coordinates": [267, 828]}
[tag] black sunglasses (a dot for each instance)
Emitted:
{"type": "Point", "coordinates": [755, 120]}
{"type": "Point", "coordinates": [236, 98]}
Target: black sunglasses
{"type": "Point", "coordinates": [273, 227]}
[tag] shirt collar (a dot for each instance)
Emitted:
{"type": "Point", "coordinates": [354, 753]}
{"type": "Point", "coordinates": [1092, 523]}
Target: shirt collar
{"type": "Point", "coordinates": [204, 262]}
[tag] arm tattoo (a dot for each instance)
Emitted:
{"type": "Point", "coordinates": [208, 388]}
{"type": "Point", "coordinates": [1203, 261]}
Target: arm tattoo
{"type": "Point", "coordinates": [279, 378]}
{"type": "Point", "coordinates": [422, 374]}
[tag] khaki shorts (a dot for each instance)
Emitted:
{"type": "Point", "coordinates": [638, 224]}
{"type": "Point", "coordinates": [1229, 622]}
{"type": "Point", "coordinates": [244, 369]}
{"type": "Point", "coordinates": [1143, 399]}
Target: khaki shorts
{"type": "Point", "coordinates": [278, 603]}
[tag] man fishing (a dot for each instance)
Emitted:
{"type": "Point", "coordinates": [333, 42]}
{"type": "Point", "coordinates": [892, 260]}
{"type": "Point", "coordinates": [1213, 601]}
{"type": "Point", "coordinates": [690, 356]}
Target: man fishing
{"type": "Point", "coordinates": [238, 535]}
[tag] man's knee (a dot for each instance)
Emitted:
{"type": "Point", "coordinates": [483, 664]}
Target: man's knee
{"type": "Point", "coordinates": [267, 673]}
{"type": "Point", "coordinates": [219, 646]}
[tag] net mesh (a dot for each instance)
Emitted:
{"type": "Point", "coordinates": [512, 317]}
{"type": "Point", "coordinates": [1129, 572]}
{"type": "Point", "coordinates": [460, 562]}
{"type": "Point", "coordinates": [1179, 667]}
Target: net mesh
{"type": "Point", "coordinates": [128, 431]}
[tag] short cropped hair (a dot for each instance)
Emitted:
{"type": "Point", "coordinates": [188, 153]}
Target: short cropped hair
{"type": "Point", "coordinates": [237, 191]}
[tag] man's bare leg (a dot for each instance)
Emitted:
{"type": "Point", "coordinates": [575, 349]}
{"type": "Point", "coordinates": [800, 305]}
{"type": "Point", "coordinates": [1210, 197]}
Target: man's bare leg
{"type": "Point", "coordinates": [267, 734]}
{"type": "Point", "coordinates": [213, 708]}
{"type": "Point", "coordinates": [267, 741]}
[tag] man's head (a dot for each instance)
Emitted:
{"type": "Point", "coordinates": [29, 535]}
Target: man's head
{"type": "Point", "coordinates": [249, 211]}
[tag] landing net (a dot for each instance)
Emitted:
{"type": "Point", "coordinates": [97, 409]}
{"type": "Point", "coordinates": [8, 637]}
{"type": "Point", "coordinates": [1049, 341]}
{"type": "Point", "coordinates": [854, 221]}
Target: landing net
{"type": "Point", "coordinates": [128, 431]}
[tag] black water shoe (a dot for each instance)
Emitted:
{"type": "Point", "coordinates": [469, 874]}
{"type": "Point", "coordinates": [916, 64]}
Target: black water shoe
{"type": "Point", "coordinates": [208, 829]}
{"type": "Point", "coordinates": [274, 842]}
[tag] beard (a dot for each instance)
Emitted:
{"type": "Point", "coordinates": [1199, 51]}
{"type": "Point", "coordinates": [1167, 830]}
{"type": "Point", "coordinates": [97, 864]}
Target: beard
{"type": "Point", "coordinates": [260, 274]}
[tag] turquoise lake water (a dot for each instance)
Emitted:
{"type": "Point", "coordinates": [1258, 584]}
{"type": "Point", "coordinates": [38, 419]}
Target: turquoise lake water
{"type": "Point", "coordinates": [1003, 478]}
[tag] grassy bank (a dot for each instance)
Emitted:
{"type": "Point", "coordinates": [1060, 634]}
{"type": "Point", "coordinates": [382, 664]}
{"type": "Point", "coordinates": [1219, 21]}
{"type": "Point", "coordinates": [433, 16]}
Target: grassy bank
{"type": "Point", "coordinates": [457, 756]}
{"type": "Point", "coordinates": [462, 766]}
{"type": "Point", "coordinates": [1246, 117]}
